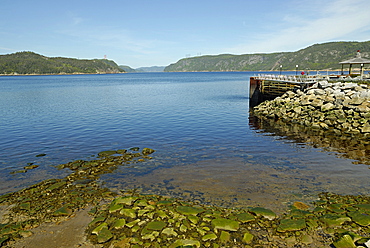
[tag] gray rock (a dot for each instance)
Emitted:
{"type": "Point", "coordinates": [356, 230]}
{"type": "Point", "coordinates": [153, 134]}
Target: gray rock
{"type": "Point", "coordinates": [319, 92]}
{"type": "Point", "coordinates": [329, 91]}
{"type": "Point", "coordinates": [365, 94]}
{"type": "Point", "coordinates": [338, 94]}
{"type": "Point", "coordinates": [340, 107]}
{"type": "Point", "coordinates": [327, 107]}
{"type": "Point", "coordinates": [356, 101]}
{"type": "Point", "coordinates": [365, 129]}
{"type": "Point", "coordinates": [317, 103]}
{"type": "Point", "coordinates": [324, 84]}
{"type": "Point", "coordinates": [349, 85]}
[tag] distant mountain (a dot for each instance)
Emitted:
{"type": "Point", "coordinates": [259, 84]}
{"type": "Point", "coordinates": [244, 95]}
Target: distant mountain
{"type": "Point", "coordinates": [127, 68]}
{"type": "Point", "coordinates": [25, 63]}
{"type": "Point", "coordinates": [316, 57]}
{"type": "Point", "coordinates": [150, 69]}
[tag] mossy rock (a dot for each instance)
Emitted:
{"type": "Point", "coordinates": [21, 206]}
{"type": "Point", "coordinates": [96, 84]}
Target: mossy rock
{"type": "Point", "coordinates": [106, 153]}
{"type": "Point", "coordinates": [247, 238]}
{"type": "Point", "coordinates": [287, 225]}
{"type": "Point", "coordinates": [63, 211]}
{"type": "Point", "coordinates": [245, 217]}
{"type": "Point", "coordinates": [185, 243]}
{"type": "Point", "coordinates": [225, 224]}
{"type": "Point", "coordinates": [132, 223]}
{"type": "Point", "coordinates": [344, 242]}
{"type": "Point", "coordinates": [300, 206]}
{"type": "Point", "coordinates": [3, 239]}
{"type": "Point", "coordinates": [365, 207]}
{"type": "Point", "coordinates": [266, 213]}
{"type": "Point", "coordinates": [127, 200]}
{"type": "Point", "coordinates": [104, 235]}
{"type": "Point", "coordinates": [306, 239]}
{"type": "Point", "coordinates": [119, 223]}
{"type": "Point", "coordinates": [333, 220]}
{"type": "Point", "coordinates": [225, 236]}
{"type": "Point", "coordinates": [209, 237]}
{"type": "Point", "coordinates": [97, 220]}
{"type": "Point", "coordinates": [170, 232]}
{"type": "Point", "coordinates": [128, 212]}
{"type": "Point", "coordinates": [360, 218]}
{"type": "Point", "coordinates": [30, 167]}
{"type": "Point", "coordinates": [164, 203]}
{"type": "Point", "coordinates": [296, 213]}
{"type": "Point", "coordinates": [147, 151]}
{"type": "Point", "coordinates": [56, 186]}
{"type": "Point", "coordinates": [99, 228]}
{"type": "Point", "coordinates": [115, 208]}
{"type": "Point", "coordinates": [156, 225]}
{"type": "Point", "coordinates": [187, 210]}
{"type": "Point", "coordinates": [25, 206]}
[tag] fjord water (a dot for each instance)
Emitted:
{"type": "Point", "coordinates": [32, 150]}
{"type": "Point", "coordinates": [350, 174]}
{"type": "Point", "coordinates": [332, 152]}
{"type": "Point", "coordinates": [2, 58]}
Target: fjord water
{"type": "Point", "coordinates": [207, 147]}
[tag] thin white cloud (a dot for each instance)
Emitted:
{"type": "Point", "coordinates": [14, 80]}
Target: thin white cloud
{"type": "Point", "coordinates": [113, 38]}
{"type": "Point", "coordinates": [6, 49]}
{"type": "Point", "coordinates": [336, 20]}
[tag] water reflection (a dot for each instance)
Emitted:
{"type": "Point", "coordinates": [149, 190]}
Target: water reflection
{"type": "Point", "coordinates": [355, 147]}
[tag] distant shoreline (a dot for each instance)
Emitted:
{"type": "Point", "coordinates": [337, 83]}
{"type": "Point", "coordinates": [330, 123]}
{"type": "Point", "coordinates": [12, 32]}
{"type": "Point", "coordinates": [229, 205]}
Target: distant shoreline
{"type": "Point", "coordinates": [61, 74]}
{"type": "Point", "coordinates": [105, 73]}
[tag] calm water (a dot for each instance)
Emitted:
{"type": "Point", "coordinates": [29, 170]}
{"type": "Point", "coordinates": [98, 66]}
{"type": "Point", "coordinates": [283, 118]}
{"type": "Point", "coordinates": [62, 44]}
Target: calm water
{"type": "Point", "coordinates": [208, 147]}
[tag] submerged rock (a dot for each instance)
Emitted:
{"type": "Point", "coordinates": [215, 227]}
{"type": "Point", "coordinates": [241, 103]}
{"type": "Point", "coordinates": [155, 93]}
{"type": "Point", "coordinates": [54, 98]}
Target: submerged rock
{"type": "Point", "coordinates": [287, 225]}
{"type": "Point", "coordinates": [247, 238]}
{"type": "Point", "coordinates": [266, 213]}
{"type": "Point", "coordinates": [345, 242]}
{"type": "Point", "coordinates": [147, 151]}
{"type": "Point", "coordinates": [186, 210]}
{"type": "Point", "coordinates": [362, 219]}
{"type": "Point", "coordinates": [334, 220]}
{"type": "Point", "coordinates": [135, 220]}
{"type": "Point", "coordinates": [225, 224]}
{"type": "Point", "coordinates": [156, 225]}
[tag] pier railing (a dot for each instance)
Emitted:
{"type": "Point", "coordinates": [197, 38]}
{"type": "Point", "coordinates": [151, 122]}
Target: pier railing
{"type": "Point", "coordinates": [268, 86]}
{"type": "Point", "coordinates": [287, 78]}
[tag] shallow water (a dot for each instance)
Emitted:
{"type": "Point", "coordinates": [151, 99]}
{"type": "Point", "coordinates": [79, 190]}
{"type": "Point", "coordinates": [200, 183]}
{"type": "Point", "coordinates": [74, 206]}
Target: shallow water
{"type": "Point", "coordinates": [208, 146]}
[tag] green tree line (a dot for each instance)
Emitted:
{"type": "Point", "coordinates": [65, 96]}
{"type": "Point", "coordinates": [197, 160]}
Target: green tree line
{"type": "Point", "coordinates": [31, 63]}
{"type": "Point", "coordinates": [316, 57]}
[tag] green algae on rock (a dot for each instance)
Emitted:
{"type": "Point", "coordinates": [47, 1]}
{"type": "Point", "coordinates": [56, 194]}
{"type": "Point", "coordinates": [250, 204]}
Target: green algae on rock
{"type": "Point", "coordinates": [362, 219]}
{"type": "Point", "coordinates": [56, 200]}
{"type": "Point", "coordinates": [345, 242]}
{"type": "Point", "coordinates": [334, 220]}
{"type": "Point", "coordinates": [135, 220]}
{"type": "Point", "coordinates": [266, 213]}
{"type": "Point", "coordinates": [245, 217]}
{"type": "Point", "coordinates": [291, 225]}
{"type": "Point", "coordinates": [187, 210]}
{"type": "Point", "coordinates": [248, 237]}
{"type": "Point", "coordinates": [225, 224]}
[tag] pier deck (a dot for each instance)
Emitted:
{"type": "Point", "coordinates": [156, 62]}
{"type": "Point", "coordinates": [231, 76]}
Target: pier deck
{"type": "Point", "coordinates": [268, 86]}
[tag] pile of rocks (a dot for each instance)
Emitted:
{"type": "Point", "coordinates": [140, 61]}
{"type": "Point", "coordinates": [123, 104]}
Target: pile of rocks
{"type": "Point", "coordinates": [337, 107]}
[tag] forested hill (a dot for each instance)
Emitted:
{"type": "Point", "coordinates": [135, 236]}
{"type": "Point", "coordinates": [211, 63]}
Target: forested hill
{"type": "Point", "coordinates": [315, 57]}
{"type": "Point", "coordinates": [24, 63]}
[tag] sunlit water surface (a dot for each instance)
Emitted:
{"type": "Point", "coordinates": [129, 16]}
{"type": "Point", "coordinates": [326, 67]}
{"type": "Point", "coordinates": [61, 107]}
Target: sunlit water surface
{"type": "Point", "coordinates": [208, 148]}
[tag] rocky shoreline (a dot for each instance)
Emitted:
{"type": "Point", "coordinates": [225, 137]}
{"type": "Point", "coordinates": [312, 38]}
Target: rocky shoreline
{"type": "Point", "coordinates": [130, 219]}
{"type": "Point", "coordinates": [341, 108]}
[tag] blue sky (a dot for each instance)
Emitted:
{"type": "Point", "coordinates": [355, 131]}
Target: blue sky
{"type": "Point", "coordinates": [160, 32]}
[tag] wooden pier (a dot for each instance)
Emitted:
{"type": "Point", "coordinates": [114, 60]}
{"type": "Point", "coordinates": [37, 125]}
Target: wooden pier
{"type": "Point", "coordinates": [268, 86]}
